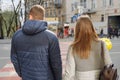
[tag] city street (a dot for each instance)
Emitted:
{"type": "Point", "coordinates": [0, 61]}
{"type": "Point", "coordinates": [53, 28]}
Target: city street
{"type": "Point", "coordinates": [7, 73]}
{"type": "Point", "coordinates": [115, 53]}
{"type": "Point", "coordinates": [4, 52]}
{"type": "Point", "coordinates": [36, 16]}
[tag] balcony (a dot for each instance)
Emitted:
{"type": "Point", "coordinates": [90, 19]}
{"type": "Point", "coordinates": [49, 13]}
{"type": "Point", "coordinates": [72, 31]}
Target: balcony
{"type": "Point", "coordinates": [89, 11]}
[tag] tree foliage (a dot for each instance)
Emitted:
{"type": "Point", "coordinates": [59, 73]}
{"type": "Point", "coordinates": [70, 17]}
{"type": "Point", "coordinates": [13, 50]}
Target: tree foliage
{"type": "Point", "coordinates": [1, 27]}
{"type": "Point", "coordinates": [10, 19]}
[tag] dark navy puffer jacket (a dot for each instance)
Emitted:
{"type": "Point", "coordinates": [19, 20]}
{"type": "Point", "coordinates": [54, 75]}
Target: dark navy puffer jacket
{"type": "Point", "coordinates": [35, 52]}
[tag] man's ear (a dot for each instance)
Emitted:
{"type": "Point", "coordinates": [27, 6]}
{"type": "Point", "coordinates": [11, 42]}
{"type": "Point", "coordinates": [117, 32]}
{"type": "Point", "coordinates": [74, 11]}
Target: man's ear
{"type": "Point", "coordinates": [30, 17]}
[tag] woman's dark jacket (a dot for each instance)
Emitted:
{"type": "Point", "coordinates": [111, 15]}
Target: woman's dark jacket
{"type": "Point", "coordinates": [35, 52]}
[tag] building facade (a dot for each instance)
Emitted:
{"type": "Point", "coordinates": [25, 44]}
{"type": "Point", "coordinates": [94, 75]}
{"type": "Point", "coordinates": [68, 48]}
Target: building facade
{"type": "Point", "coordinates": [103, 13]}
{"type": "Point", "coordinates": [51, 12]}
{"type": "Point", "coordinates": [52, 9]}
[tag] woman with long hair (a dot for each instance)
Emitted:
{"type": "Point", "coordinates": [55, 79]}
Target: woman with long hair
{"type": "Point", "coordinates": [84, 60]}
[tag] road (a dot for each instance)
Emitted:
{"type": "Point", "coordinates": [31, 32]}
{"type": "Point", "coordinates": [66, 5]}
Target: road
{"type": "Point", "coordinates": [115, 53]}
{"type": "Point", "coordinates": [5, 52]}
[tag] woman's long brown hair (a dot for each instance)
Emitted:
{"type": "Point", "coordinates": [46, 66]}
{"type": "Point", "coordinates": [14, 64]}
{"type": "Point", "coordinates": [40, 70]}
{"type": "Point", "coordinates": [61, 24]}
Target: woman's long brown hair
{"type": "Point", "coordinates": [84, 35]}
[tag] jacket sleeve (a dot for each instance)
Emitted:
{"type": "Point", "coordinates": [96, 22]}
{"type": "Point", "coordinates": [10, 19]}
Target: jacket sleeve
{"type": "Point", "coordinates": [14, 58]}
{"type": "Point", "coordinates": [107, 58]}
{"type": "Point", "coordinates": [70, 66]}
{"type": "Point", "coordinates": [55, 59]}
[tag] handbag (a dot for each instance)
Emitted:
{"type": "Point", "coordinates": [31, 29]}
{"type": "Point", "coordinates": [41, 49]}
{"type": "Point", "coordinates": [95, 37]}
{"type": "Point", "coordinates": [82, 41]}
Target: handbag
{"type": "Point", "coordinates": [109, 72]}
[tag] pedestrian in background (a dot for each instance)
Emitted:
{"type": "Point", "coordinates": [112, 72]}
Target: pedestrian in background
{"type": "Point", "coordinates": [116, 32]}
{"type": "Point", "coordinates": [72, 31]}
{"type": "Point", "coordinates": [101, 33]}
{"type": "Point", "coordinates": [84, 60]}
{"type": "Point", "coordinates": [110, 31]}
{"type": "Point", "coordinates": [35, 51]}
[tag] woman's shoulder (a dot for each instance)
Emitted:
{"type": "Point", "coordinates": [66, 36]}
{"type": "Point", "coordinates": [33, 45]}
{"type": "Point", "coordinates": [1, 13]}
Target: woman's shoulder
{"type": "Point", "coordinates": [98, 41]}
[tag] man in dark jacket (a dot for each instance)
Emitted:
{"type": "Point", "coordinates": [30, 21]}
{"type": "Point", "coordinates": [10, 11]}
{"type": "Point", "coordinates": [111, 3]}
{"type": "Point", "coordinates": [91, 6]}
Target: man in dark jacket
{"type": "Point", "coordinates": [35, 51]}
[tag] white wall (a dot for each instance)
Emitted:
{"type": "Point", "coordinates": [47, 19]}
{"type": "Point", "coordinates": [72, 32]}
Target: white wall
{"type": "Point", "coordinates": [99, 25]}
{"type": "Point", "coordinates": [69, 13]}
{"type": "Point", "coordinates": [68, 10]}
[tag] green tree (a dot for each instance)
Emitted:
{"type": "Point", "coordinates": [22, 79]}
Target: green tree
{"type": "Point", "coordinates": [11, 20]}
{"type": "Point", "coordinates": [1, 27]}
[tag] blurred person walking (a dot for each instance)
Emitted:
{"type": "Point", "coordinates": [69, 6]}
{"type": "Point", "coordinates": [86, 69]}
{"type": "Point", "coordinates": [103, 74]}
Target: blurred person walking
{"type": "Point", "coordinates": [110, 31]}
{"type": "Point", "coordinates": [101, 33]}
{"type": "Point", "coordinates": [116, 32]}
{"type": "Point", "coordinates": [84, 60]}
{"type": "Point", "coordinates": [35, 51]}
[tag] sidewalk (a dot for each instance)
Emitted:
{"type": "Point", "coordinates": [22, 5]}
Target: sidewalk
{"type": "Point", "coordinates": [8, 73]}
{"type": "Point", "coordinates": [5, 41]}
{"type": "Point", "coordinates": [66, 39]}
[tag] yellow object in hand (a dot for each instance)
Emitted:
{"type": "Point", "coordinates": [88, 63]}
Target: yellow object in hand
{"type": "Point", "coordinates": [107, 42]}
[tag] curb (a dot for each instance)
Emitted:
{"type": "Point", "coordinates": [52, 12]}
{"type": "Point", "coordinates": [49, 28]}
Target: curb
{"type": "Point", "coordinates": [5, 41]}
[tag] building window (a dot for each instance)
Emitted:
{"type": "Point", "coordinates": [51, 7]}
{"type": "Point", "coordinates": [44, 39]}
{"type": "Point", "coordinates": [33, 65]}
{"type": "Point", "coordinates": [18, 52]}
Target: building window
{"type": "Point", "coordinates": [45, 4]}
{"type": "Point", "coordinates": [93, 4]}
{"type": "Point", "coordinates": [50, 12]}
{"type": "Point", "coordinates": [46, 14]}
{"type": "Point", "coordinates": [83, 3]}
{"type": "Point", "coordinates": [110, 2]}
{"type": "Point", "coordinates": [102, 18]}
{"type": "Point", "coordinates": [55, 14]}
{"type": "Point", "coordinates": [50, 3]}
{"type": "Point", "coordinates": [58, 1]}
{"type": "Point", "coordinates": [72, 5]}
{"type": "Point", "coordinates": [59, 12]}
{"type": "Point", "coordinates": [104, 3]}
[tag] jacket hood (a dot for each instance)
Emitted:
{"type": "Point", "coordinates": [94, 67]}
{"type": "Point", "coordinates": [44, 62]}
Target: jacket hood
{"type": "Point", "coordinates": [32, 27]}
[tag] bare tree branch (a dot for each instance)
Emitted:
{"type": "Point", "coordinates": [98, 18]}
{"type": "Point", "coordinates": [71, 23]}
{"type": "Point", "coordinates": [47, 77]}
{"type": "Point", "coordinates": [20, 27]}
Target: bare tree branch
{"type": "Point", "coordinates": [14, 17]}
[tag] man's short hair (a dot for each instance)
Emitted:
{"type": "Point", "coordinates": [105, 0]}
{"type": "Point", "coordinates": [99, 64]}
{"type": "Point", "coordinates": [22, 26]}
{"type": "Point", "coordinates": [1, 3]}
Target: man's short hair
{"type": "Point", "coordinates": [37, 12]}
